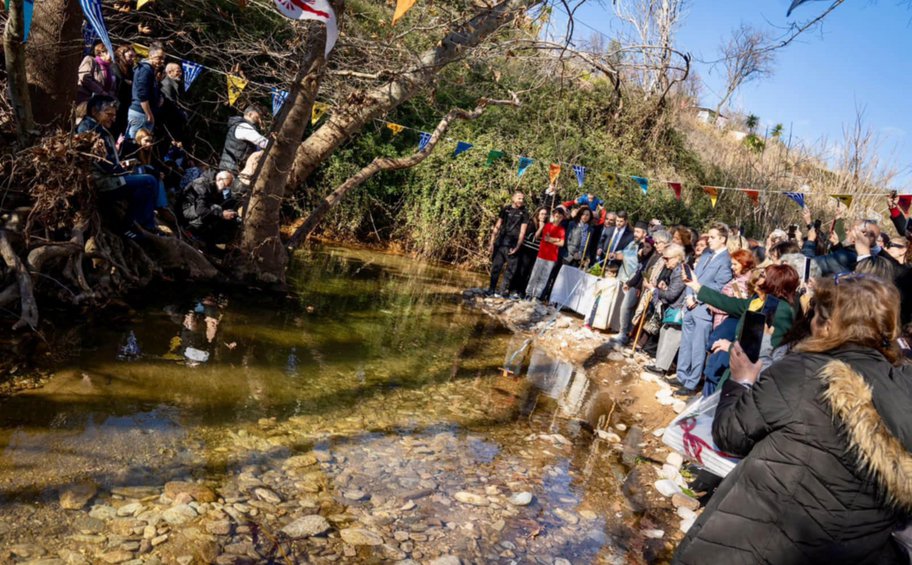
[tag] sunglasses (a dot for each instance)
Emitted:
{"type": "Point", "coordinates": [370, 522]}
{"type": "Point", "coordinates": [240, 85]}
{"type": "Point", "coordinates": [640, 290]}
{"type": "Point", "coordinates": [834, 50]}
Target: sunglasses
{"type": "Point", "coordinates": [850, 276]}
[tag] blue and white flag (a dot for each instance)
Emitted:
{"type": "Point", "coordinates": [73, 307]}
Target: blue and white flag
{"type": "Point", "coordinates": [524, 163]}
{"type": "Point", "coordinates": [423, 140]}
{"type": "Point", "coordinates": [28, 6]}
{"type": "Point", "coordinates": [794, 5]}
{"type": "Point", "coordinates": [461, 147]}
{"type": "Point", "coordinates": [88, 38]}
{"type": "Point", "coordinates": [798, 197]}
{"type": "Point", "coordinates": [580, 172]}
{"type": "Point", "coordinates": [91, 9]}
{"type": "Point", "coordinates": [191, 71]}
{"type": "Point", "coordinates": [644, 183]}
{"type": "Point", "coordinates": [278, 100]}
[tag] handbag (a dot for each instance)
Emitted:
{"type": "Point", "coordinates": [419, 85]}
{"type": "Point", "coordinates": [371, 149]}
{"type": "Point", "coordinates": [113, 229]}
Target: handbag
{"type": "Point", "coordinates": [673, 316]}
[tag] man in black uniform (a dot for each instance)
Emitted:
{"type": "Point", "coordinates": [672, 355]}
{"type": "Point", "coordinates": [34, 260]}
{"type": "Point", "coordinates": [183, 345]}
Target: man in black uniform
{"type": "Point", "coordinates": [506, 239]}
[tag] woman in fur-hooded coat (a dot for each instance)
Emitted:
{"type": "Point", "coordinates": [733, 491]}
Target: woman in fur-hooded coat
{"type": "Point", "coordinates": [826, 436]}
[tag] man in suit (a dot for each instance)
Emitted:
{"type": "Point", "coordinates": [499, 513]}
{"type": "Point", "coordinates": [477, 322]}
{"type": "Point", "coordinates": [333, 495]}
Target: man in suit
{"type": "Point", "coordinates": [713, 270]}
{"type": "Point", "coordinates": [615, 240]}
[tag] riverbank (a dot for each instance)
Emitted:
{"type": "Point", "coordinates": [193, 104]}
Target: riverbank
{"type": "Point", "coordinates": [641, 405]}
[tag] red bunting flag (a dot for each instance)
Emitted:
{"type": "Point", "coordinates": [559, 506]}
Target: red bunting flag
{"type": "Point", "coordinates": [754, 195]}
{"type": "Point", "coordinates": [676, 187]}
{"type": "Point", "coordinates": [905, 201]}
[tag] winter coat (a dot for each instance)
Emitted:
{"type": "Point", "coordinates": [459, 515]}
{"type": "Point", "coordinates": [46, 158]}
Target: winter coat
{"type": "Point", "coordinates": [840, 260]}
{"type": "Point", "coordinates": [827, 469]}
{"type": "Point", "coordinates": [672, 296]}
{"type": "Point", "coordinates": [145, 88]}
{"type": "Point", "coordinates": [578, 240]}
{"type": "Point", "coordinates": [108, 174]}
{"type": "Point", "coordinates": [202, 202]}
{"type": "Point", "coordinates": [91, 80]}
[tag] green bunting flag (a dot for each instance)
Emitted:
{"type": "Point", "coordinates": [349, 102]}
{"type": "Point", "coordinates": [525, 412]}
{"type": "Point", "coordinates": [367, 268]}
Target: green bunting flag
{"type": "Point", "coordinates": [494, 155]}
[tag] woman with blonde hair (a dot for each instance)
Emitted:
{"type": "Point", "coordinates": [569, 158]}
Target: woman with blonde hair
{"type": "Point", "coordinates": [826, 436]}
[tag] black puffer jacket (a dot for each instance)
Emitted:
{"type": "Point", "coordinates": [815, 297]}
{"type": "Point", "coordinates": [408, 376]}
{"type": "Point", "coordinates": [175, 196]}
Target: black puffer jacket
{"type": "Point", "coordinates": [827, 473]}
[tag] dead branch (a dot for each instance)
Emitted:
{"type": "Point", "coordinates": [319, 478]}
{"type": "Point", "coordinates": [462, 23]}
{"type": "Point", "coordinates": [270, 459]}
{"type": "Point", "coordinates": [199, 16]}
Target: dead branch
{"type": "Point", "coordinates": [29, 309]}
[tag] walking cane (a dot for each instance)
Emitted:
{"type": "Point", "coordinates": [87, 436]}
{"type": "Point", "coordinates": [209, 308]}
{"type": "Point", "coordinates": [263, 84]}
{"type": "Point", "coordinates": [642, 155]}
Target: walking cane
{"type": "Point", "coordinates": [648, 297]}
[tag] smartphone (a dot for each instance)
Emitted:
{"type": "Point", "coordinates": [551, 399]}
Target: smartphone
{"type": "Point", "coordinates": [791, 231]}
{"type": "Point", "coordinates": [751, 338]}
{"type": "Point", "coordinates": [817, 224]}
{"type": "Point", "coordinates": [688, 272]}
{"type": "Point", "coordinates": [904, 347]}
{"type": "Point", "coordinates": [806, 273]}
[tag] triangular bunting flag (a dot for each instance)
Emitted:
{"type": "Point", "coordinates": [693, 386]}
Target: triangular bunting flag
{"type": "Point", "coordinates": [494, 155]}
{"type": "Point", "coordinates": [553, 172]}
{"type": "Point", "coordinates": [28, 7]}
{"type": "Point", "coordinates": [318, 10]}
{"type": "Point", "coordinates": [844, 198]}
{"type": "Point", "coordinates": [461, 147]}
{"type": "Point", "coordinates": [318, 111]}
{"type": "Point", "coordinates": [402, 6]}
{"type": "Point", "coordinates": [754, 196]}
{"type": "Point", "coordinates": [797, 197]}
{"type": "Point", "coordinates": [236, 85]}
{"type": "Point", "coordinates": [580, 172]}
{"type": "Point", "coordinates": [278, 100]}
{"type": "Point", "coordinates": [191, 71]}
{"type": "Point", "coordinates": [141, 50]}
{"type": "Point", "coordinates": [904, 201]}
{"type": "Point", "coordinates": [610, 181]}
{"type": "Point", "coordinates": [524, 163]}
{"type": "Point", "coordinates": [644, 183]}
{"type": "Point", "coordinates": [676, 187]}
{"type": "Point", "coordinates": [423, 140]}
{"type": "Point", "coordinates": [713, 193]}
{"type": "Point", "coordinates": [141, 3]}
{"type": "Point", "coordinates": [395, 128]}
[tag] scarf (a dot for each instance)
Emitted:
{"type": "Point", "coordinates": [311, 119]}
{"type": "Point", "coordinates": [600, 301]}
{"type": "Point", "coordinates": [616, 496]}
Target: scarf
{"type": "Point", "coordinates": [106, 71]}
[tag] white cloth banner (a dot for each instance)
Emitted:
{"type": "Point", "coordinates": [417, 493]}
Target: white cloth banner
{"type": "Point", "coordinates": [319, 10]}
{"type": "Point", "coordinates": [577, 290]}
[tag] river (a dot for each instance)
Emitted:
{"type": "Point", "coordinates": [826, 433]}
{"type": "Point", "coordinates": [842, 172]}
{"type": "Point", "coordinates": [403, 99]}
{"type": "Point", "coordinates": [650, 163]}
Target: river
{"type": "Point", "coordinates": [365, 420]}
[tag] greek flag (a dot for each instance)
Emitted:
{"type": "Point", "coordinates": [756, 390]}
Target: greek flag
{"type": "Point", "coordinates": [278, 99]}
{"type": "Point", "coordinates": [423, 141]}
{"type": "Point", "coordinates": [580, 174]}
{"type": "Point", "coordinates": [191, 71]}
{"type": "Point", "coordinates": [88, 37]}
{"type": "Point", "coordinates": [91, 9]}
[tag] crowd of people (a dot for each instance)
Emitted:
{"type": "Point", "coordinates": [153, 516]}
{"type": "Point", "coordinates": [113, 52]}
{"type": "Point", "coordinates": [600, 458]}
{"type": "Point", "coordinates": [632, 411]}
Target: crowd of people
{"type": "Point", "coordinates": [820, 416]}
{"type": "Point", "coordinates": [148, 181]}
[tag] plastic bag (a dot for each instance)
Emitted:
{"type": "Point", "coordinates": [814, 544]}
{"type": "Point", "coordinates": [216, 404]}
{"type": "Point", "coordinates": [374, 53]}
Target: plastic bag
{"type": "Point", "coordinates": [691, 435]}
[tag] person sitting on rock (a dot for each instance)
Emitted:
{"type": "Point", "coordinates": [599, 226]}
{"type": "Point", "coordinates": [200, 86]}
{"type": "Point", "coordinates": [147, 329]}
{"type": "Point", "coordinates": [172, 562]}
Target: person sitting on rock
{"type": "Point", "coordinates": [209, 208]}
{"type": "Point", "coordinates": [113, 180]}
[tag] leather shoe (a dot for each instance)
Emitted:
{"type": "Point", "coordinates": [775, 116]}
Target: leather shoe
{"type": "Point", "coordinates": [654, 370]}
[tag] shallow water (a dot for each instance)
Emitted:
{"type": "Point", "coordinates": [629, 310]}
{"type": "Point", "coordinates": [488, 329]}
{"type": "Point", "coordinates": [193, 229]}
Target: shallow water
{"type": "Point", "coordinates": [377, 369]}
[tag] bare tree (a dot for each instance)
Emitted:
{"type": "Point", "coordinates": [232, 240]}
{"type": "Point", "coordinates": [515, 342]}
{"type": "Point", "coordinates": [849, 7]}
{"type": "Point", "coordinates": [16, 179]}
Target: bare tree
{"type": "Point", "coordinates": [653, 24]}
{"type": "Point", "coordinates": [14, 52]}
{"type": "Point", "coordinates": [746, 58]}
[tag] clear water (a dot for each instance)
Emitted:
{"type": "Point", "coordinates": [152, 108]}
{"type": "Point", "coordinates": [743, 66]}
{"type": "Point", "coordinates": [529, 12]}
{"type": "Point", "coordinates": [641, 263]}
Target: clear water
{"type": "Point", "coordinates": [376, 362]}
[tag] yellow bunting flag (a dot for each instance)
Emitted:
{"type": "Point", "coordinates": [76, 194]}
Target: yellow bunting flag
{"type": "Point", "coordinates": [402, 6]}
{"type": "Point", "coordinates": [236, 85]}
{"type": "Point", "coordinates": [844, 198]}
{"type": "Point", "coordinates": [141, 3]}
{"type": "Point", "coordinates": [554, 172]}
{"type": "Point", "coordinates": [610, 181]}
{"type": "Point", "coordinates": [141, 50]}
{"type": "Point", "coordinates": [713, 193]}
{"type": "Point", "coordinates": [318, 111]}
{"type": "Point", "coordinates": [395, 128]}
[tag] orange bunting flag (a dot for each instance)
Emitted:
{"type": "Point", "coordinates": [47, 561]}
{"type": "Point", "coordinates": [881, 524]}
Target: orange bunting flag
{"type": "Point", "coordinates": [713, 193]}
{"type": "Point", "coordinates": [844, 198]}
{"type": "Point", "coordinates": [676, 187]}
{"type": "Point", "coordinates": [395, 128]}
{"type": "Point", "coordinates": [754, 195]}
{"type": "Point", "coordinates": [554, 172]}
{"type": "Point", "coordinates": [402, 6]}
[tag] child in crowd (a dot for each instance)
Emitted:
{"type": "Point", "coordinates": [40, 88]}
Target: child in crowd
{"type": "Point", "coordinates": [553, 237]}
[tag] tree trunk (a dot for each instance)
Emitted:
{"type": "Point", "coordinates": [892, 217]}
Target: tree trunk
{"type": "Point", "coordinates": [350, 118]}
{"type": "Point", "coordinates": [390, 164]}
{"type": "Point", "coordinates": [54, 51]}
{"type": "Point", "coordinates": [263, 256]}
{"type": "Point", "coordinates": [14, 50]}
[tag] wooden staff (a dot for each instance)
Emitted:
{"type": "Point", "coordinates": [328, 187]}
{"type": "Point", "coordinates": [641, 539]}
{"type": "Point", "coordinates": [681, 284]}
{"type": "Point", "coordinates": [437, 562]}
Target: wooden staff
{"type": "Point", "coordinates": [647, 296]}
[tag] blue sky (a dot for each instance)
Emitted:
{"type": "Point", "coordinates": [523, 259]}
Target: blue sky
{"type": "Point", "coordinates": [861, 56]}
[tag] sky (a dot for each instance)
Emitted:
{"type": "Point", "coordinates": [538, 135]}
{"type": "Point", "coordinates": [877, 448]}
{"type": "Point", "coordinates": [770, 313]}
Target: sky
{"type": "Point", "coordinates": [861, 56]}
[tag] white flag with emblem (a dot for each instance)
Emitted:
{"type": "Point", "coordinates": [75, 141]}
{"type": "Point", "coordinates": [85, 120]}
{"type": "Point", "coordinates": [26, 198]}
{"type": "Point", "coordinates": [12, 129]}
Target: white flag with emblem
{"type": "Point", "coordinates": [319, 10]}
